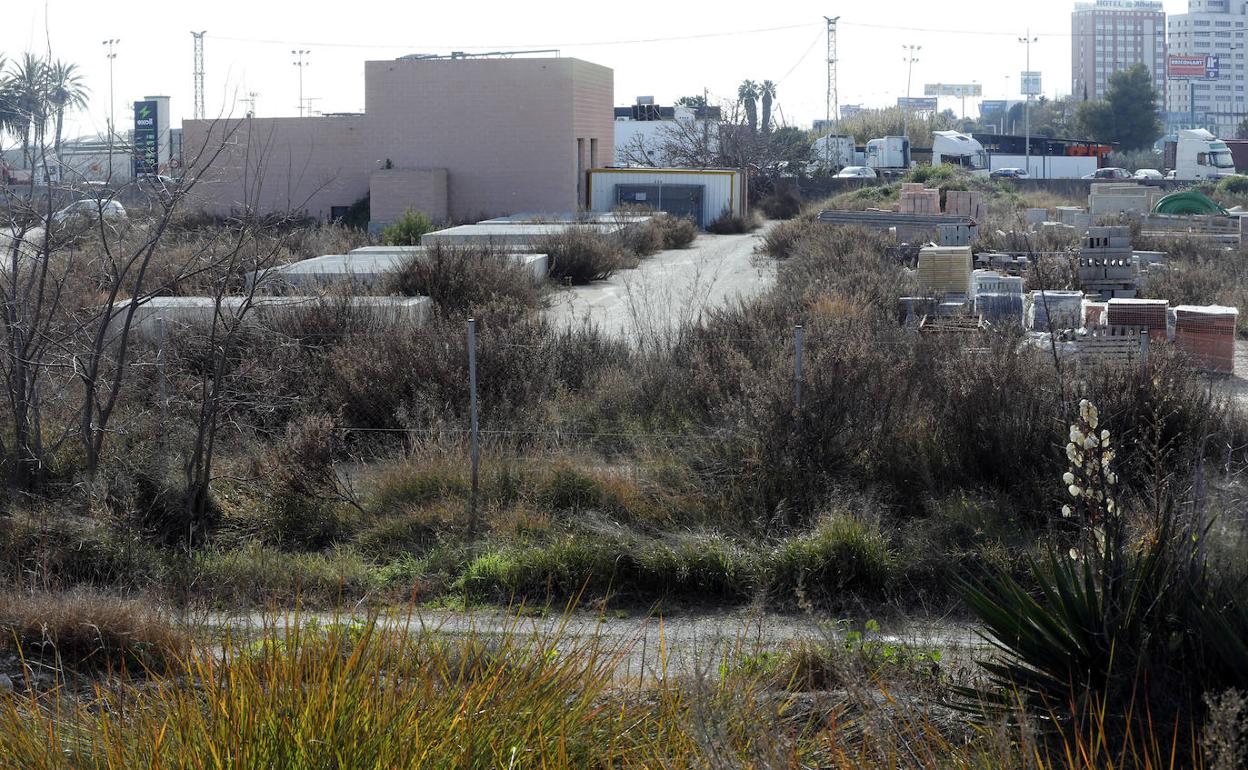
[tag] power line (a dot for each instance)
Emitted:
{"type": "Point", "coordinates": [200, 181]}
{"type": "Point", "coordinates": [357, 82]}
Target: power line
{"type": "Point", "coordinates": [566, 44]}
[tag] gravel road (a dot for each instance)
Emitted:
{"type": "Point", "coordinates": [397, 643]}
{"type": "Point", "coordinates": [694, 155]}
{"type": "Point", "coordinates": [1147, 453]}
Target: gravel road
{"type": "Point", "coordinates": [670, 288]}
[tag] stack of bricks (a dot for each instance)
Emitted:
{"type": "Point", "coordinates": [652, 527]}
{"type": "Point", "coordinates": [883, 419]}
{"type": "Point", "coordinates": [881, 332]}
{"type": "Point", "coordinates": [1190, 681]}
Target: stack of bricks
{"type": "Point", "coordinates": [945, 271]}
{"type": "Point", "coordinates": [917, 199]}
{"type": "Point", "coordinates": [1150, 313]}
{"type": "Point", "coordinates": [1054, 311]}
{"type": "Point", "coordinates": [1106, 267]}
{"type": "Point", "coordinates": [964, 203]}
{"type": "Point", "coordinates": [1207, 335]}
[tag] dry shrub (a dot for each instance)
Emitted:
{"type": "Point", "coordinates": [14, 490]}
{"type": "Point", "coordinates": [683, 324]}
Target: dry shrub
{"type": "Point", "coordinates": [678, 232]}
{"type": "Point", "coordinates": [83, 630]}
{"type": "Point", "coordinates": [781, 205]}
{"type": "Point", "coordinates": [644, 239]}
{"type": "Point", "coordinates": [781, 240]}
{"type": "Point", "coordinates": [729, 223]}
{"type": "Point", "coordinates": [581, 254]}
{"type": "Point", "coordinates": [462, 280]}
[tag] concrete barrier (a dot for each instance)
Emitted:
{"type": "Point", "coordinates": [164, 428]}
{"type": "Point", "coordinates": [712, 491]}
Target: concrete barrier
{"type": "Point", "coordinates": [363, 270]}
{"type": "Point", "coordinates": [511, 235]}
{"type": "Point", "coordinates": [180, 314]}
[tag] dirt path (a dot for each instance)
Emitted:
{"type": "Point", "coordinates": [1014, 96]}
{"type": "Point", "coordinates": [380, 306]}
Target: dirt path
{"type": "Point", "coordinates": [670, 289]}
{"type": "Point", "coordinates": [650, 646]}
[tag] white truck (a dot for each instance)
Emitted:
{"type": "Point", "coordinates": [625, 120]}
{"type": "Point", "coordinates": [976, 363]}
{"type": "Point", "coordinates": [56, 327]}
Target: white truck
{"type": "Point", "coordinates": [888, 155]}
{"type": "Point", "coordinates": [1197, 154]}
{"type": "Point", "coordinates": [961, 150]}
{"type": "Point", "coordinates": [893, 155]}
{"type": "Point", "coordinates": [836, 151]}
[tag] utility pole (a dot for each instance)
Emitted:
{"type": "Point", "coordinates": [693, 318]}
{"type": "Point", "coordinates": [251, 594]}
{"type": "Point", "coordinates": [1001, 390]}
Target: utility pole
{"type": "Point", "coordinates": [300, 63]}
{"type": "Point", "coordinates": [1027, 86]}
{"type": "Point", "coordinates": [910, 60]}
{"type": "Point", "coordinates": [199, 73]}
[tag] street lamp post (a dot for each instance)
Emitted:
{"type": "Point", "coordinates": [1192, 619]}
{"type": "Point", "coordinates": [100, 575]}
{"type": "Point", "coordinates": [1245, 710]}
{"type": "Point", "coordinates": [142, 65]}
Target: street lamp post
{"type": "Point", "coordinates": [1027, 41]}
{"type": "Point", "coordinates": [300, 63]}
{"type": "Point", "coordinates": [910, 60]}
{"type": "Point", "coordinates": [112, 57]}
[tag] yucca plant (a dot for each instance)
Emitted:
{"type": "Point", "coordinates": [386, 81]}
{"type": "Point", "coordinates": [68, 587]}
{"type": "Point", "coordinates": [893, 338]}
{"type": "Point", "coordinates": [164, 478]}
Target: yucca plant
{"type": "Point", "coordinates": [1111, 636]}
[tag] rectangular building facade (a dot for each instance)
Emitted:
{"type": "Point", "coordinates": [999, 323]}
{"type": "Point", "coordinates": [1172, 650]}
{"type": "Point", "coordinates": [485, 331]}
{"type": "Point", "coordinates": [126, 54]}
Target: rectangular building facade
{"type": "Point", "coordinates": [1209, 28]}
{"type": "Point", "coordinates": [462, 139]}
{"type": "Point", "coordinates": [1109, 36]}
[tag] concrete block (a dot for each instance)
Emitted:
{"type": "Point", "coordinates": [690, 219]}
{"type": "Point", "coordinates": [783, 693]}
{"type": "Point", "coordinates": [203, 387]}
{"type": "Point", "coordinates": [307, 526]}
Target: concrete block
{"type": "Point", "coordinates": [181, 315]}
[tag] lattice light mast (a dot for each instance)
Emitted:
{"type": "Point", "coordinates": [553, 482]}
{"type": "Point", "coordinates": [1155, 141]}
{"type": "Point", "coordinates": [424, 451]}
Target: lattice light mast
{"type": "Point", "coordinates": [833, 101]}
{"type": "Point", "coordinates": [199, 73]}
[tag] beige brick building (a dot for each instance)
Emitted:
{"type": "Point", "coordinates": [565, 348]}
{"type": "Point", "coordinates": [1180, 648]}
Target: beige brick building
{"type": "Point", "coordinates": [460, 139]}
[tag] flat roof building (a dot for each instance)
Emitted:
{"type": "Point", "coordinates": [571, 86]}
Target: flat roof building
{"type": "Point", "coordinates": [1109, 36]}
{"type": "Point", "coordinates": [454, 138]}
{"type": "Point", "coordinates": [1213, 32]}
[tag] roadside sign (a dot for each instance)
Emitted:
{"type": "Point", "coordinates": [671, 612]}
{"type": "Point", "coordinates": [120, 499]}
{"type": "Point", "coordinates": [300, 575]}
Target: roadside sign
{"type": "Point", "coordinates": [1031, 83]}
{"type": "Point", "coordinates": [146, 138]}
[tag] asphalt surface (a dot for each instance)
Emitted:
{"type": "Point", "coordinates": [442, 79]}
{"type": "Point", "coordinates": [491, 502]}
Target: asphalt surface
{"type": "Point", "coordinates": [670, 289]}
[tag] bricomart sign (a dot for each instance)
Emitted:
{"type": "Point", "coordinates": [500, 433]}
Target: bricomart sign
{"type": "Point", "coordinates": [146, 138]}
{"type": "Point", "coordinates": [1192, 68]}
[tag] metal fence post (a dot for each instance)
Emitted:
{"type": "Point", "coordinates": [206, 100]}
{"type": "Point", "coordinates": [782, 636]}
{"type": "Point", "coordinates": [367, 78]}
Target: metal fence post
{"type": "Point", "coordinates": [472, 398]}
{"type": "Point", "coordinates": [160, 375]}
{"type": "Point", "coordinates": [798, 334]}
{"type": "Point", "coordinates": [1144, 346]}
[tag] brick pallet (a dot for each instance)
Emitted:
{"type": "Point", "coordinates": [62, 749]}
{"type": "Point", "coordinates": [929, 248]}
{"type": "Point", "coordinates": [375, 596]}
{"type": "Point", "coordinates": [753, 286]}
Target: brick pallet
{"type": "Point", "coordinates": [1056, 310]}
{"type": "Point", "coordinates": [967, 204]}
{"type": "Point", "coordinates": [1207, 335]}
{"type": "Point", "coordinates": [1112, 345]}
{"type": "Point", "coordinates": [1150, 313]}
{"type": "Point", "coordinates": [945, 270]}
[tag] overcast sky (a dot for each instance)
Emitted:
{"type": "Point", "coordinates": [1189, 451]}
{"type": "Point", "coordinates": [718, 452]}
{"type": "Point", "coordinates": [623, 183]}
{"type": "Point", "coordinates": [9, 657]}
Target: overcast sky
{"type": "Point", "coordinates": [660, 49]}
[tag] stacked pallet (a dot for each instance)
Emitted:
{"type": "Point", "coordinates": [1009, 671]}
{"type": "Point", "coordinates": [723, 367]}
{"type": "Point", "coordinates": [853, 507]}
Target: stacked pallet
{"type": "Point", "coordinates": [1053, 310]}
{"type": "Point", "coordinates": [952, 325]}
{"type": "Point", "coordinates": [917, 199]}
{"type": "Point", "coordinates": [967, 204]}
{"type": "Point", "coordinates": [1207, 334]}
{"type": "Point", "coordinates": [999, 298]}
{"type": "Point", "coordinates": [1120, 198]}
{"type": "Point", "coordinates": [945, 270]}
{"type": "Point", "coordinates": [1106, 267]}
{"type": "Point", "coordinates": [1112, 345]}
{"type": "Point", "coordinates": [1150, 313]}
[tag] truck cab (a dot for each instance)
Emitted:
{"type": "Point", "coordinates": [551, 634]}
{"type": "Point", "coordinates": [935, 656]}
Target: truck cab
{"type": "Point", "coordinates": [892, 153]}
{"type": "Point", "coordinates": [1199, 154]}
{"type": "Point", "coordinates": [959, 149]}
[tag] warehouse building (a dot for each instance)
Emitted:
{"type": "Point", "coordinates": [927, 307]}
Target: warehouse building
{"type": "Point", "coordinates": [701, 195]}
{"type": "Point", "coordinates": [455, 138]}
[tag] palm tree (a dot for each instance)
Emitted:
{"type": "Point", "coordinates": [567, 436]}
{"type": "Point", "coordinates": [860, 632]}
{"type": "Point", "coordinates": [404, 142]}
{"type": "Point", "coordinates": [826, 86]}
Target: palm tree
{"type": "Point", "coordinates": [747, 94]}
{"type": "Point", "coordinates": [8, 99]}
{"type": "Point", "coordinates": [768, 91]}
{"type": "Point", "coordinates": [29, 82]}
{"type": "Point", "coordinates": [66, 90]}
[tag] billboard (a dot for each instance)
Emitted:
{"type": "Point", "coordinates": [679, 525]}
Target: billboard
{"type": "Point", "coordinates": [146, 138]}
{"type": "Point", "coordinates": [1192, 67]}
{"type": "Point", "coordinates": [918, 103]}
{"type": "Point", "coordinates": [993, 106]}
{"type": "Point", "coordinates": [1030, 83]}
{"type": "Point", "coordinates": [958, 90]}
